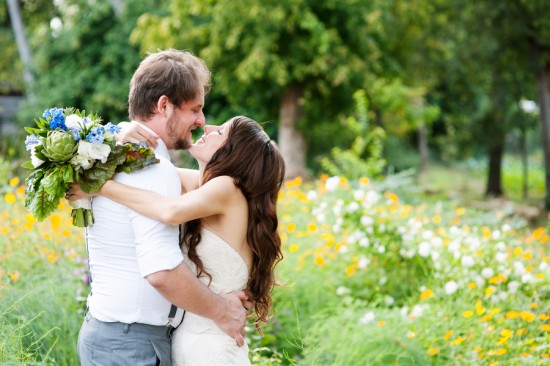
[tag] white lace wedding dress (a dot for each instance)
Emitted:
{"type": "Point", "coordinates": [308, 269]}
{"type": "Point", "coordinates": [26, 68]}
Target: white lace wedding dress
{"type": "Point", "coordinates": [198, 341]}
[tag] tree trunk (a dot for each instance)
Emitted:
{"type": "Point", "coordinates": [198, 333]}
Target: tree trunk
{"type": "Point", "coordinates": [494, 181]}
{"type": "Point", "coordinates": [291, 140]}
{"type": "Point", "coordinates": [524, 163]}
{"type": "Point", "coordinates": [543, 83]}
{"type": "Point", "coordinates": [423, 148]}
{"type": "Point", "coordinates": [21, 40]}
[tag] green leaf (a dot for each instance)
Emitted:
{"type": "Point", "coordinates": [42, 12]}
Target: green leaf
{"type": "Point", "coordinates": [27, 165]}
{"type": "Point", "coordinates": [137, 157]}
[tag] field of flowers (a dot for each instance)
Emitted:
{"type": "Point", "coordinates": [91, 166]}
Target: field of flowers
{"type": "Point", "coordinates": [373, 274]}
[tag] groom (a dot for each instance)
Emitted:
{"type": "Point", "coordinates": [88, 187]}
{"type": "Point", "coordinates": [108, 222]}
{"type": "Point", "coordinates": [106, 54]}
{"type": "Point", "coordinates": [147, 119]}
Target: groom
{"type": "Point", "coordinates": [136, 265]}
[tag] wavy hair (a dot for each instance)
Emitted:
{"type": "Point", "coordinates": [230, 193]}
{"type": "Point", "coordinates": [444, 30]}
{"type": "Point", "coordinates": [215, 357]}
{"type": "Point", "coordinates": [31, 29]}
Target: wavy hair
{"type": "Point", "coordinates": [257, 167]}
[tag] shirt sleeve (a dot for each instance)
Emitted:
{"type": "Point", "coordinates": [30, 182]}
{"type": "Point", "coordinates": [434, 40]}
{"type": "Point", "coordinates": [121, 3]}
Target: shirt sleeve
{"type": "Point", "coordinates": [157, 243]}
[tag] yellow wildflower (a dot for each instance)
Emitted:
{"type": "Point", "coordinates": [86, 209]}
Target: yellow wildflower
{"type": "Point", "coordinates": [14, 276]}
{"type": "Point", "coordinates": [512, 314]}
{"type": "Point", "coordinates": [448, 335]}
{"type": "Point", "coordinates": [489, 290]}
{"type": "Point", "coordinates": [364, 181]}
{"type": "Point", "coordinates": [457, 341]}
{"type": "Point", "coordinates": [14, 181]}
{"type": "Point", "coordinates": [426, 294]}
{"type": "Point", "coordinates": [528, 316]}
{"type": "Point", "coordinates": [351, 270]}
{"type": "Point", "coordinates": [468, 314]}
{"type": "Point", "coordinates": [293, 248]}
{"type": "Point", "coordinates": [320, 260]}
{"type": "Point", "coordinates": [392, 197]}
{"type": "Point", "coordinates": [433, 351]}
{"type": "Point", "coordinates": [538, 233]}
{"type": "Point", "coordinates": [311, 228]}
{"type": "Point", "coordinates": [10, 198]}
{"type": "Point", "coordinates": [501, 351]}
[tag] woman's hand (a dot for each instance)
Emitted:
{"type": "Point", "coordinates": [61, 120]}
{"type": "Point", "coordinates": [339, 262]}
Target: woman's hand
{"type": "Point", "coordinates": [75, 193]}
{"type": "Point", "coordinates": [135, 132]}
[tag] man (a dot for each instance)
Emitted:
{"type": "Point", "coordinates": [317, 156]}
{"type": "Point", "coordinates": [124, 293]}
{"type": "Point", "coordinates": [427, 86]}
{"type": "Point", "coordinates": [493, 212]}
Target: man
{"type": "Point", "coordinates": [136, 265]}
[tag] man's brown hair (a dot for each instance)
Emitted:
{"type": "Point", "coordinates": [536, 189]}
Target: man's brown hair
{"type": "Point", "coordinates": [179, 75]}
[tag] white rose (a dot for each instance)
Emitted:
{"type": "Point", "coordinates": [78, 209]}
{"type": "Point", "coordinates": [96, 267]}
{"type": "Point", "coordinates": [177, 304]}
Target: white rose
{"type": "Point", "coordinates": [73, 121]}
{"type": "Point", "coordinates": [36, 162]}
{"type": "Point", "coordinates": [93, 151]}
{"type": "Point", "coordinates": [82, 161]}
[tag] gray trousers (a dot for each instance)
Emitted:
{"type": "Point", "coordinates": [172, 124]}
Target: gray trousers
{"type": "Point", "coordinates": [120, 344]}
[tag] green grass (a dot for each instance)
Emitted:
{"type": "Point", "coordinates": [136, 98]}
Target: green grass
{"type": "Point", "coordinates": [374, 274]}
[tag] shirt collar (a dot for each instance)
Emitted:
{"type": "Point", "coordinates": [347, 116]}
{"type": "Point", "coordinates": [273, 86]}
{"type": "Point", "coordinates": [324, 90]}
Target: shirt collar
{"type": "Point", "coordinates": [161, 148]}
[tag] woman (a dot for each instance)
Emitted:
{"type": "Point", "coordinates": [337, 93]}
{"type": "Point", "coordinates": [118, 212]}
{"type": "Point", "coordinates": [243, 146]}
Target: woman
{"type": "Point", "coordinates": [230, 233]}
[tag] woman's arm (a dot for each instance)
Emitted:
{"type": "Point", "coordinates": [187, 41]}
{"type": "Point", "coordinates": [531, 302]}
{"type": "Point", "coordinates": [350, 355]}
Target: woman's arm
{"type": "Point", "coordinates": [212, 198]}
{"type": "Point", "coordinates": [189, 179]}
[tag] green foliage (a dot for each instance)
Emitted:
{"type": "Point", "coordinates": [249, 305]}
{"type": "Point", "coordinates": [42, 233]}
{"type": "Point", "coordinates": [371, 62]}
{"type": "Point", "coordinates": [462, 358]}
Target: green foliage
{"type": "Point", "coordinates": [88, 63]}
{"type": "Point", "coordinates": [337, 338]}
{"type": "Point", "coordinates": [364, 157]}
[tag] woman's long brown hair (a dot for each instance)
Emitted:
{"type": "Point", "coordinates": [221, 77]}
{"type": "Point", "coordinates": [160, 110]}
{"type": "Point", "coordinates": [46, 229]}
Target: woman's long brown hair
{"type": "Point", "coordinates": [258, 169]}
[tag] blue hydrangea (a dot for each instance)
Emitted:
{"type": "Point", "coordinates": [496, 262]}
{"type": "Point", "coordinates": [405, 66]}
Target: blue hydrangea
{"type": "Point", "coordinates": [31, 141]}
{"type": "Point", "coordinates": [111, 128]}
{"type": "Point", "coordinates": [57, 118]}
{"type": "Point", "coordinates": [75, 132]}
{"type": "Point", "coordinates": [96, 135]}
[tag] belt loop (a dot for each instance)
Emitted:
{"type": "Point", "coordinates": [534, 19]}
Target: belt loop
{"type": "Point", "coordinates": [126, 329]}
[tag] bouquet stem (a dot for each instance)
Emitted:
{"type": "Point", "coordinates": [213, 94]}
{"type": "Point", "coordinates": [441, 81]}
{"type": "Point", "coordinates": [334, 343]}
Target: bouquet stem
{"type": "Point", "coordinates": [82, 217]}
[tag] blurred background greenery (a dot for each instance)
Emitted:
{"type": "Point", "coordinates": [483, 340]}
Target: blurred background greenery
{"type": "Point", "coordinates": [456, 90]}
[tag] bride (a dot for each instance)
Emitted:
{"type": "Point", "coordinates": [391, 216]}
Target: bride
{"type": "Point", "coordinates": [230, 232]}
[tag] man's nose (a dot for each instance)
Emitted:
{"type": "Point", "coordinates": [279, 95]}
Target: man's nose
{"type": "Point", "coordinates": [201, 120]}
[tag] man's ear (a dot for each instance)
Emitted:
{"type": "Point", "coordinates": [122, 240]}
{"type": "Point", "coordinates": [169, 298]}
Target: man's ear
{"type": "Point", "coordinates": [163, 104]}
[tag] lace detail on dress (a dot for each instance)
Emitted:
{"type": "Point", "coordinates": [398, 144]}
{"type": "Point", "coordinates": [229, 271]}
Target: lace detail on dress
{"type": "Point", "coordinates": [198, 341]}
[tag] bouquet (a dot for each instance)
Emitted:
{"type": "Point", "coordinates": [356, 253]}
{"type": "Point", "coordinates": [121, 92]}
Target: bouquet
{"type": "Point", "coordinates": [69, 146]}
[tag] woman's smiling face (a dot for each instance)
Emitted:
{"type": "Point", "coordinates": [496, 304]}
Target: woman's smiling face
{"type": "Point", "coordinates": [212, 139]}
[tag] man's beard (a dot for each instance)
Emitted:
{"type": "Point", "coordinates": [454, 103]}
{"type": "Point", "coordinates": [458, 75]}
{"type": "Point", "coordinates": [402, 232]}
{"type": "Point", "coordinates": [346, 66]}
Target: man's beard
{"type": "Point", "coordinates": [180, 143]}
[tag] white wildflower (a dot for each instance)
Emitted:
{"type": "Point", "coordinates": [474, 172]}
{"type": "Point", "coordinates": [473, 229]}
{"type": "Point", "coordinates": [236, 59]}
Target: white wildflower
{"type": "Point", "coordinates": [467, 261]}
{"type": "Point", "coordinates": [341, 291]}
{"type": "Point", "coordinates": [451, 287]}
{"type": "Point", "coordinates": [367, 318]}
{"type": "Point", "coordinates": [513, 286]}
{"type": "Point", "coordinates": [424, 249]}
{"type": "Point", "coordinates": [332, 183]}
{"type": "Point", "coordinates": [311, 195]}
{"type": "Point", "coordinates": [487, 272]}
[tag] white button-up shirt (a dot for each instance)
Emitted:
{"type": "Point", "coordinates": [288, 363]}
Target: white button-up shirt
{"type": "Point", "coordinates": [124, 247]}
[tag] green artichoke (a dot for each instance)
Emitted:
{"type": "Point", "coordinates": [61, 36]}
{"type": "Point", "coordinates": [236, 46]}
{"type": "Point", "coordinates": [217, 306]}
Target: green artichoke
{"type": "Point", "coordinates": [59, 146]}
